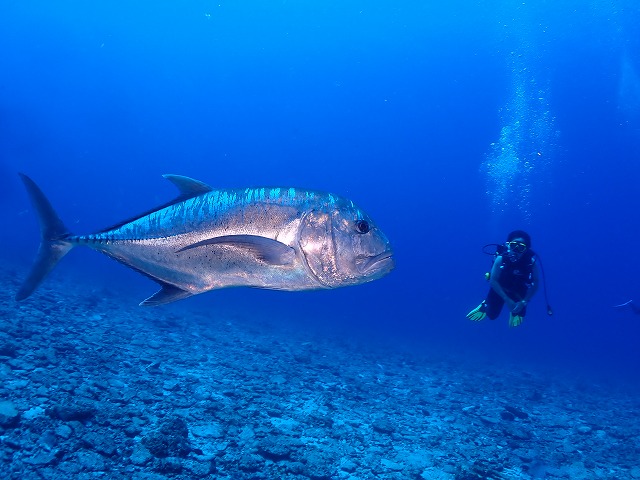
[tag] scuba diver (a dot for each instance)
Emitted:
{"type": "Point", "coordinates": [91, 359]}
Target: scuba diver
{"type": "Point", "coordinates": [513, 280]}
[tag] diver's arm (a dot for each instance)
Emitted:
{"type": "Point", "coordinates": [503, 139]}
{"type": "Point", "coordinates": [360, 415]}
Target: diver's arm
{"type": "Point", "coordinates": [531, 291]}
{"type": "Point", "coordinates": [494, 282]}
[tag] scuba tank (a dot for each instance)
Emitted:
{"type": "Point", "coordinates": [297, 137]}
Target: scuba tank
{"type": "Point", "coordinates": [501, 249]}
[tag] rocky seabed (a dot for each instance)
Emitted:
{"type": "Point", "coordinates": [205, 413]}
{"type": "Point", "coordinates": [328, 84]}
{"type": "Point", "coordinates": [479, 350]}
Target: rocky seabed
{"type": "Point", "coordinates": [91, 387]}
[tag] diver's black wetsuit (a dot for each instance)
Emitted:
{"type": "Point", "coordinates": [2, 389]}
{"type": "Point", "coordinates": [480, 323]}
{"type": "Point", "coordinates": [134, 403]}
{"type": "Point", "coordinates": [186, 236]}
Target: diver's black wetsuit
{"type": "Point", "coordinates": [515, 279]}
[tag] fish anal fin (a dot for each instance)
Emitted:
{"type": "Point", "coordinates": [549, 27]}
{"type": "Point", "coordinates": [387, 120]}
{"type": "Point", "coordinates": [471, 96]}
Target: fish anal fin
{"type": "Point", "coordinates": [167, 294]}
{"type": "Point", "coordinates": [264, 249]}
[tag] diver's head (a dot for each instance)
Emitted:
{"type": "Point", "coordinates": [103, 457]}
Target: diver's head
{"type": "Point", "coordinates": [518, 242]}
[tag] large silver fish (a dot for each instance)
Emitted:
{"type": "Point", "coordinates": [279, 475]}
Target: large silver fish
{"type": "Point", "coordinates": [277, 238]}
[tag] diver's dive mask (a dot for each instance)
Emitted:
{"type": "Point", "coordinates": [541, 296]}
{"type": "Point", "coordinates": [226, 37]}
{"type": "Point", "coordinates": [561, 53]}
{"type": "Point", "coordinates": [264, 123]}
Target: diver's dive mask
{"type": "Point", "coordinates": [515, 249]}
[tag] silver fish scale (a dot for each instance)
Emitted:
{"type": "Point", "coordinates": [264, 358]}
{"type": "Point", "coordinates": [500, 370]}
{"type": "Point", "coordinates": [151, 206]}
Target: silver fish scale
{"type": "Point", "coordinates": [153, 242]}
{"type": "Point", "coordinates": [231, 212]}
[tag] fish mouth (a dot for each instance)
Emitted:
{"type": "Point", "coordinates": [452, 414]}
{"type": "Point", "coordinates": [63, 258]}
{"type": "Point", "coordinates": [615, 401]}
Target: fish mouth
{"type": "Point", "coordinates": [379, 265]}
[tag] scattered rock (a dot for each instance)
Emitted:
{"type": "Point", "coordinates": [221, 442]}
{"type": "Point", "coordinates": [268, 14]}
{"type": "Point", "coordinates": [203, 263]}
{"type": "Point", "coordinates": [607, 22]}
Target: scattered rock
{"type": "Point", "coordinates": [33, 413]}
{"type": "Point", "coordinates": [140, 455]}
{"type": "Point", "coordinates": [8, 349]}
{"type": "Point", "coordinates": [9, 416]}
{"type": "Point", "coordinates": [251, 463]}
{"type": "Point", "coordinates": [507, 415]}
{"type": "Point", "coordinates": [200, 468]}
{"type": "Point", "coordinates": [416, 460]}
{"type": "Point", "coordinates": [47, 440]}
{"type": "Point", "coordinates": [383, 425]}
{"type": "Point", "coordinates": [72, 412]}
{"type": "Point", "coordinates": [209, 430]}
{"type": "Point", "coordinates": [100, 443]}
{"type": "Point", "coordinates": [247, 434]}
{"type": "Point", "coordinates": [275, 449]}
{"type": "Point", "coordinates": [487, 420]}
{"type": "Point", "coordinates": [517, 432]}
{"type": "Point", "coordinates": [516, 412]}
{"type": "Point", "coordinates": [132, 431]}
{"type": "Point", "coordinates": [391, 465]}
{"type": "Point", "coordinates": [41, 459]}
{"type": "Point", "coordinates": [90, 461]}
{"type": "Point", "coordinates": [524, 455]}
{"type": "Point", "coordinates": [348, 466]}
{"type": "Point", "coordinates": [278, 380]}
{"type": "Point", "coordinates": [171, 384]}
{"type": "Point", "coordinates": [170, 439]}
{"type": "Point", "coordinates": [169, 465]}
{"type": "Point", "coordinates": [584, 429]}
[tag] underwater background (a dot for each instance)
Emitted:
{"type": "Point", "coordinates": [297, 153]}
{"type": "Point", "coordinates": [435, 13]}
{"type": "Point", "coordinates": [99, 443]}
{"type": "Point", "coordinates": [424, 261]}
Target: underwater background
{"type": "Point", "coordinates": [450, 123]}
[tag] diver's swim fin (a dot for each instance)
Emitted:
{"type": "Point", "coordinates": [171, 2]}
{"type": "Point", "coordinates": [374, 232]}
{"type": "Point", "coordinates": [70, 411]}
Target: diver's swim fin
{"type": "Point", "coordinates": [478, 313]}
{"type": "Point", "coordinates": [515, 320]}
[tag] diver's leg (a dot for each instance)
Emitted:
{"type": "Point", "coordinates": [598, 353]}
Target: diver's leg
{"type": "Point", "coordinates": [494, 304]}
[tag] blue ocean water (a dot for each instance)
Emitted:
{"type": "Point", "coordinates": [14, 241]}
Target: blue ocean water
{"type": "Point", "coordinates": [450, 123]}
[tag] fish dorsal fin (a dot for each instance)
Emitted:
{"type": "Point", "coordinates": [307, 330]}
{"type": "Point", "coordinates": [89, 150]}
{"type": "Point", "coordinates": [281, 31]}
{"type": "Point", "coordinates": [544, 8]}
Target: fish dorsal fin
{"type": "Point", "coordinates": [167, 294]}
{"type": "Point", "coordinates": [264, 249]}
{"type": "Point", "coordinates": [188, 187]}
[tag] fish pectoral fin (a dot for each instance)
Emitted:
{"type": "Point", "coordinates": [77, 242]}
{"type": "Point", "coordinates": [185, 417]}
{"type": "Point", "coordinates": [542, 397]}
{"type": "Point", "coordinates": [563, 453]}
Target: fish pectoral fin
{"type": "Point", "coordinates": [188, 187]}
{"type": "Point", "coordinates": [167, 294]}
{"type": "Point", "coordinates": [265, 249]}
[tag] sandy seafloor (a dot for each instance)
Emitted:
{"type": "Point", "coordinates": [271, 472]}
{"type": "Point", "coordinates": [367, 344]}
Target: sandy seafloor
{"type": "Point", "coordinates": [92, 386]}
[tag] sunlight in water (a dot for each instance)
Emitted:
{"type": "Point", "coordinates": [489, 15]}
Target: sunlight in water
{"type": "Point", "coordinates": [521, 156]}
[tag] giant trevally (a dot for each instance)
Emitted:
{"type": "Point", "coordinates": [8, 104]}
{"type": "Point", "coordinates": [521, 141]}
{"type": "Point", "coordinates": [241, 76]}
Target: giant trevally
{"type": "Point", "coordinates": [276, 238]}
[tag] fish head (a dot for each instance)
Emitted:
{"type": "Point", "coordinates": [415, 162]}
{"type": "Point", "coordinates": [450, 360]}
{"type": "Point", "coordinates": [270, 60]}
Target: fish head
{"type": "Point", "coordinates": [343, 246]}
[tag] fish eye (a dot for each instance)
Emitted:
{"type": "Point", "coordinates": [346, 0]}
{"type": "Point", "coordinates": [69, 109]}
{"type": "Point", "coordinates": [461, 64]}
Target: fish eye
{"type": "Point", "coordinates": [362, 226]}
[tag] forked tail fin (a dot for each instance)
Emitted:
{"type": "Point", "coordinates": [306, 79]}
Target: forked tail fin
{"type": "Point", "coordinates": [54, 243]}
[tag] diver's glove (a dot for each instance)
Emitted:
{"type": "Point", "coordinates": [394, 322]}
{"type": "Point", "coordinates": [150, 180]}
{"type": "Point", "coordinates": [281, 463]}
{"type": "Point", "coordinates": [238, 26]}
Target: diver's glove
{"type": "Point", "coordinates": [515, 319]}
{"type": "Point", "coordinates": [478, 313]}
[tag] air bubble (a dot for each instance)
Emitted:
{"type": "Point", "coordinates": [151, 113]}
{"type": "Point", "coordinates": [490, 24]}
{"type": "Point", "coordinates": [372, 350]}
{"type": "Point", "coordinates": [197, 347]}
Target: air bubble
{"type": "Point", "coordinates": [514, 160]}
